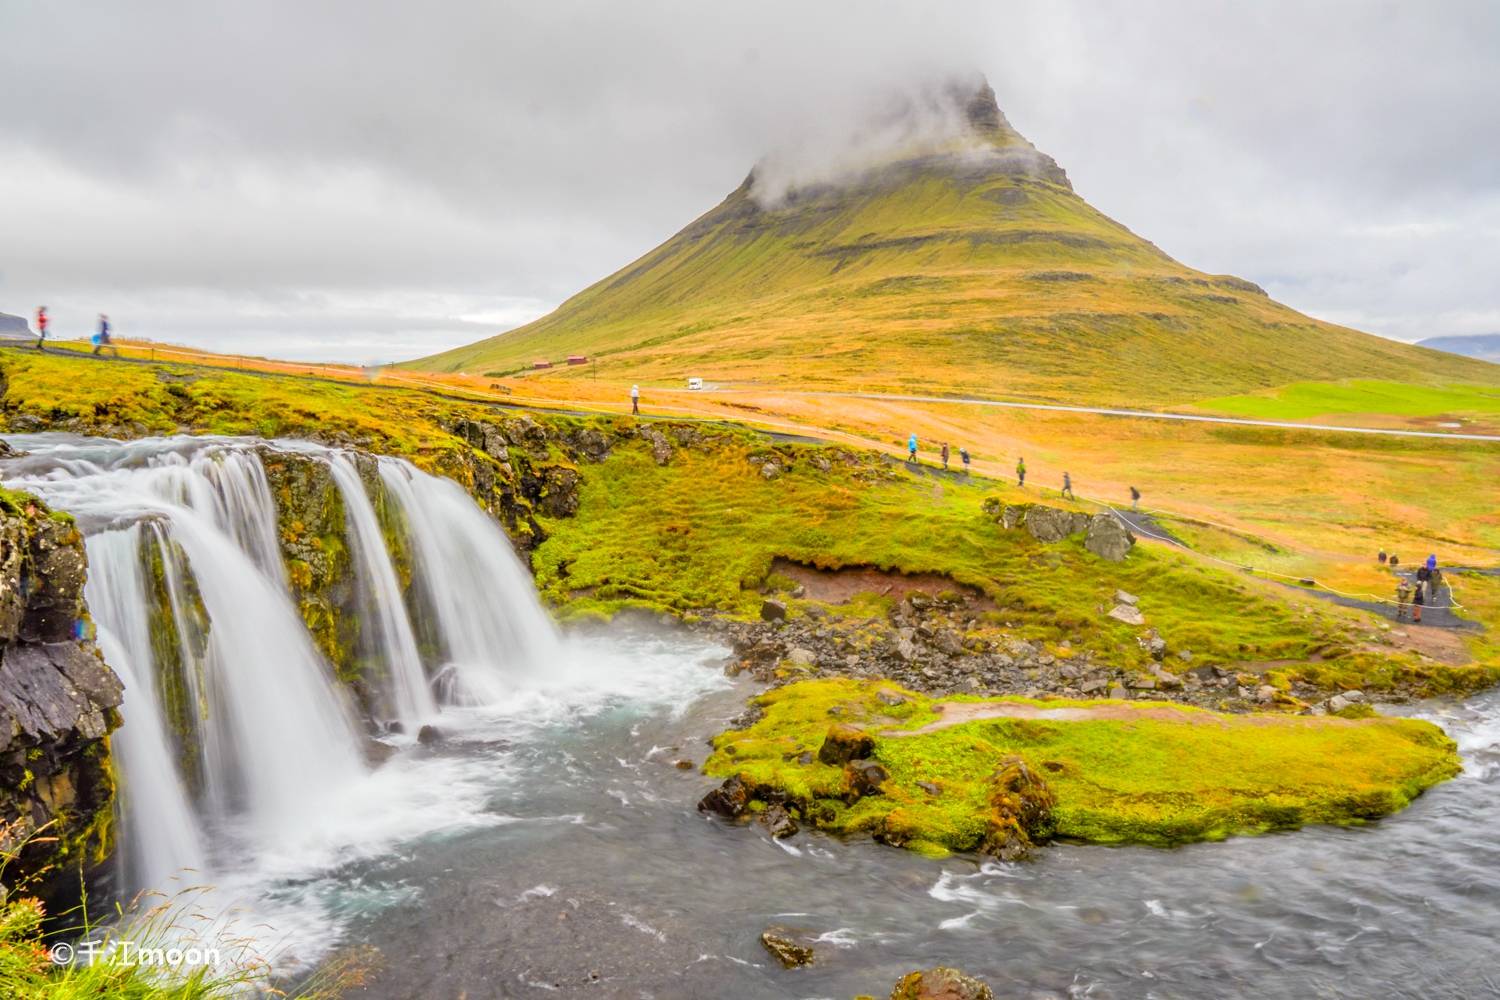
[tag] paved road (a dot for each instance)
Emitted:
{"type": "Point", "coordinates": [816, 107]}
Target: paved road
{"type": "Point", "coordinates": [1146, 414]}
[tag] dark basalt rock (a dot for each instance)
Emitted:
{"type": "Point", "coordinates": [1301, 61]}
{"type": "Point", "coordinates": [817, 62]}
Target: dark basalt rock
{"type": "Point", "coordinates": [845, 743]}
{"type": "Point", "coordinates": [57, 697]}
{"type": "Point", "coordinates": [778, 821]}
{"type": "Point", "coordinates": [863, 777]}
{"type": "Point", "coordinates": [730, 800]}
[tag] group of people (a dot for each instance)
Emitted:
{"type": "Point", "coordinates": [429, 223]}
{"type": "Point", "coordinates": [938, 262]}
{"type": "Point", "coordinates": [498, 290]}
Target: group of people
{"type": "Point", "coordinates": [1412, 594]}
{"type": "Point", "coordinates": [101, 339]}
{"type": "Point", "coordinates": [1067, 479]}
{"type": "Point", "coordinates": [946, 452]}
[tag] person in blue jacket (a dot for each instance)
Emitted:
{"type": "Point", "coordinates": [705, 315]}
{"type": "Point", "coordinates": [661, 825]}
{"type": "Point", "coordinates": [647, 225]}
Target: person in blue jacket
{"type": "Point", "coordinates": [911, 446]}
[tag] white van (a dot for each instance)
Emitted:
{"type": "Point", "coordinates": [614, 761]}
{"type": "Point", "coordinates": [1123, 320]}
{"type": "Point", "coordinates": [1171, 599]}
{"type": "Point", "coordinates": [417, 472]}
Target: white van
{"type": "Point", "coordinates": [695, 383]}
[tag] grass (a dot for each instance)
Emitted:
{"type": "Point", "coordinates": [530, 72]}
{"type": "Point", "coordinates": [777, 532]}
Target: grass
{"type": "Point", "coordinates": [145, 951]}
{"type": "Point", "coordinates": [1157, 774]}
{"type": "Point", "coordinates": [1306, 400]}
{"type": "Point", "coordinates": [703, 531]}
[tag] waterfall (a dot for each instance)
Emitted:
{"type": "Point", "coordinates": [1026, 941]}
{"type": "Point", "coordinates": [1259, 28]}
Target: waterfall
{"type": "Point", "coordinates": [382, 610]}
{"type": "Point", "coordinates": [160, 834]}
{"type": "Point", "coordinates": [494, 632]}
{"type": "Point", "coordinates": [237, 739]}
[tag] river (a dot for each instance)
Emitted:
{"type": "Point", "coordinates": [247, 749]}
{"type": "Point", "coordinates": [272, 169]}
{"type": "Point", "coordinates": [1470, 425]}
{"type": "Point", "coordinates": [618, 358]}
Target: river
{"type": "Point", "coordinates": [548, 843]}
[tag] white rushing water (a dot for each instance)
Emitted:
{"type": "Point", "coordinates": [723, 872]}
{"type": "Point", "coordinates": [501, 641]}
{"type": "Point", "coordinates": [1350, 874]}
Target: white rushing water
{"type": "Point", "coordinates": [462, 556]}
{"type": "Point", "coordinates": [256, 781]}
{"type": "Point", "coordinates": [382, 609]}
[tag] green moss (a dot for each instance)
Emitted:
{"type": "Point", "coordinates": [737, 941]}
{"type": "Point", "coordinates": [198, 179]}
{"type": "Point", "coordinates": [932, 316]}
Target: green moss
{"type": "Point", "coordinates": [1157, 774]}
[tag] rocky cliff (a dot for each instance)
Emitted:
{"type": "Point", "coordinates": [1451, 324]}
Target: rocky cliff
{"type": "Point", "coordinates": [58, 699]}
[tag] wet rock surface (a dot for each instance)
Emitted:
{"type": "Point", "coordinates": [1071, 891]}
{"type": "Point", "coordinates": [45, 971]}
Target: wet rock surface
{"type": "Point", "coordinates": [941, 984]}
{"type": "Point", "coordinates": [57, 696]}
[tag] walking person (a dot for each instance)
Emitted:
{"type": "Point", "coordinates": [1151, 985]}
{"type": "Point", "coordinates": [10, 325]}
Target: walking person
{"type": "Point", "coordinates": [911, 448]}
{"type": "Point", "coordinates": [1382, 557]}
{"type": "Point", "coordinates": [41, 326]}
{"type": "Point", "coordinates": [1417, 597]}
{"type": "Point", "coordinates": [1135, 499]}
{"type": "Point", "coordinates": [1403, 598]}
{"type": "Point", "coordinates": [635, 400]}
{"type": "Point", "coordinates": [101, 339]}
{"type": "Point", "coordinates": [945, 456]}
{"type": "Point", "coordinates": [1067, 489]}
{"type": "Point", "coordinates": [963, 453]}
{"type": "Point", "coordinates": [1021, 472]}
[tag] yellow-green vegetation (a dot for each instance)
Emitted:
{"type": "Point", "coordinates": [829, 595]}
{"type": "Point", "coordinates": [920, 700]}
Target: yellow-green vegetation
{"type": "Point", "coordinates": [1118, 772]}
{"type": "Point", "coordinates": [172, 398]}
{"type": "Point", "coordinates": [972, 272]}
{"type": "Point", "coordinates": [1305, 400]}
{"type": "Point", "coordinates": [703, 531]}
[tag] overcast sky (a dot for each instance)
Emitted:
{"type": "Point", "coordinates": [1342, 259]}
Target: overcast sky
{"type": "Point", "coordinates": [371, 180]}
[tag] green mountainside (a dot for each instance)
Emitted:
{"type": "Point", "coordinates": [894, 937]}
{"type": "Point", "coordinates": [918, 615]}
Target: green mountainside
{"type": "Point", "coordinates": [967, 267]}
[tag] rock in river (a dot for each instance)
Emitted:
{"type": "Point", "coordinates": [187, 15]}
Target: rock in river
{"type": "Point", "coordinates": [941, 984]}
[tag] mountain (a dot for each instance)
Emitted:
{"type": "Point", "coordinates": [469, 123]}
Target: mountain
{"type": "Point", "coordinates": [961, 261]}
{"type": "Point", "coordinates": [1484, 346]}
{"type": "Point", "coordinates": [14, 326]}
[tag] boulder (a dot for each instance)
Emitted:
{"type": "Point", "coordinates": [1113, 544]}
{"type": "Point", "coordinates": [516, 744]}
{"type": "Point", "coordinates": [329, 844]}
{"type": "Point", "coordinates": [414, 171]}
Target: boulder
{"type": "Point", "coordinates": [1121, 597]}
{"type": "Point", "coordinates": [789, 952]}
{"type": "Point", "coordinates": [800, 656]}
{"type": "Point", "coordinates": [1052, 524]}
{"type": "Point", "coordinates": [772, 610]}
{"type": "Point", "coordinates": [941, 984]}
{"type": "Point", "coordinates": [778, 822]}
{"type": "Point", "coordinates": [429, 735]}
{"type": "Point", "coordinates": [845, 743]}
{"type": "Point", "coordinates": [1127, 614]}
{"type": "Point", "coordinates": [729, 800]}
{"type": "Point", "coordinates": [1020, 811]}
{"type": "Point", "coordinates": [1108, 539]}
{"type": "Point", "coordinates": [864, 777]}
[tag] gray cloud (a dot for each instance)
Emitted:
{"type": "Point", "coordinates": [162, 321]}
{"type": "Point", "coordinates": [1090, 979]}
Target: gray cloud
{"type": "Point", "coordinates": [378, 179]}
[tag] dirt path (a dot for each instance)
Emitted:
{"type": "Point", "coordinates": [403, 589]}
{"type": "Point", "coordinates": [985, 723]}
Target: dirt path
{"type": "Point", "coordinates": [1148, 415]}
{"type": "Point", "coordinates": [956, 713]}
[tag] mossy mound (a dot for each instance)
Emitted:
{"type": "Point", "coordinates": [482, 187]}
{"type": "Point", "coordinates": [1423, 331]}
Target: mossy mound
{"type": "Point", "coordinates": [967, 774]}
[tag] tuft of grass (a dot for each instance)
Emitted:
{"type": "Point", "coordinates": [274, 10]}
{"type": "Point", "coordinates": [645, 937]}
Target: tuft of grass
{"type": "Point", "coordinates": [1144, 773]}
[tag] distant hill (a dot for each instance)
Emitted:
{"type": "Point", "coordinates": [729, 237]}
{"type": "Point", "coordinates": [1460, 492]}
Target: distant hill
{"type": "Point", "coordinates": [964, 264]}
{"type": "Point", "coordinates": [14, 326]}
{"type": "Point", "coordinates": [1485, 346]}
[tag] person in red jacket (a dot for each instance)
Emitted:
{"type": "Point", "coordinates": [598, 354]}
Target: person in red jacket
{"type": "Point", "coordinates": [41, 326]}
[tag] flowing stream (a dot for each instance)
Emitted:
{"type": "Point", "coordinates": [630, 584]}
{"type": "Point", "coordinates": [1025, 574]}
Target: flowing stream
{"type": "Point", "coordinates": [548, 843]}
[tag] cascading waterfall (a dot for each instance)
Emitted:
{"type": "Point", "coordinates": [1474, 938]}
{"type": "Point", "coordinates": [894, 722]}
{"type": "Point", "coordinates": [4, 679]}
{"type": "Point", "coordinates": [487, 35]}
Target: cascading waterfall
{"type": "Point", "coordinates": [382, 609]}
{"type": "Point", "coordinates": [190, 596]}
{"type": "Point", "coordinates": [494, 632]}
{"type": "Point", "coordinates": [160, 830]}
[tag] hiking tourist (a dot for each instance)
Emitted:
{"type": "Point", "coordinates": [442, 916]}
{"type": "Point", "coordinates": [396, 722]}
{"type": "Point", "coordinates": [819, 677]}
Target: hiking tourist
{"type": "Point", "coordinates": [1135, 498]}
{"type": "Point", "coordinates": [945, 456]}
{"type": "Point", "coordinates": [911, 447]}
{"type": "Point", "coordinates": [1395, 561]}
{"type": "Point", "coordinates": [1403, 598]}
{"type": "Point", "coordinates": [41, 326]}
{"type": "Point", "coordinates": [1381, 557]}
{"type": "Point", "coordinates": [1067, 489]}
{"type": "Point", "coordinates": [1021, 472]}
{"type": "Point", "coordinates": [635, 400]}
{"type": "Point", "coordinates": [1416, 602]}
{"type": "Point", "coordinates": [101, 339]}
{"type": "Point", "coordinates": [1431, 563]}
{"type": "Point", "coordinates": [963, 453]}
